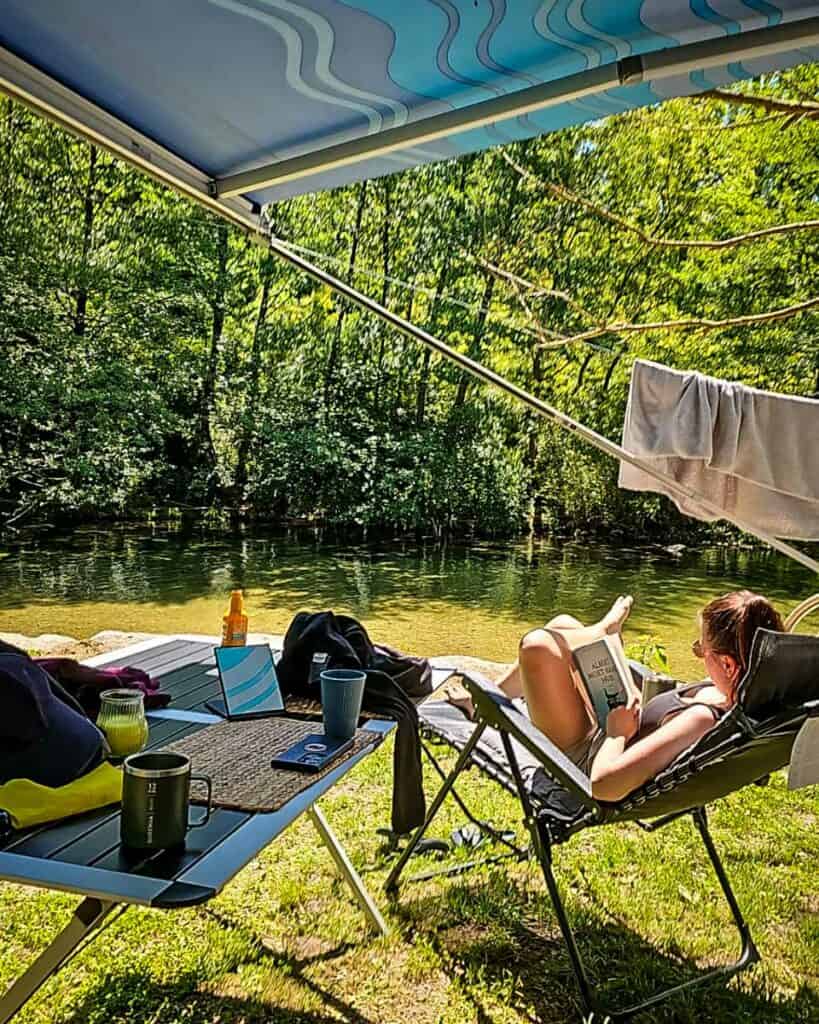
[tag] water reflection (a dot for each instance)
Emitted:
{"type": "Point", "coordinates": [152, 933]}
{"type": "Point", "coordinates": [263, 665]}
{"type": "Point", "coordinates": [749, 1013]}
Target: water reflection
{"type": "Point", "coordinates": [475, 599]}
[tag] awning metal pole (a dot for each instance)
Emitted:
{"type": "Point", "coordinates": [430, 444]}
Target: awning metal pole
{"type": "Point", "coordinates": [537, 405]}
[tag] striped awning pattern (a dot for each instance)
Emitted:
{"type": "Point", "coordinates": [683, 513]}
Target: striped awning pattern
{"type": "Point", "coordinates": [263, 96]}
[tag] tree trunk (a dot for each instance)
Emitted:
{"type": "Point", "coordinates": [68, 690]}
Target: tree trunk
{"type": "Point", "coordinates": [511, 237]}
{"type": "Point", "coordinates": [423, 380]}
{"type": "Point", "coordinates": [530, 462]}
{"type": "Point", "coordinates": [249, 424]}
{"type": "Point", "coordinates": [335, 344]}
{"type": "Point", "coordinates": [475, 345]}
{"type": "Point", "coordinates": [81, 302]}
{"type": "Point", "coordinates": [385, 290]}
{"type": "Point", "coordinates": [399, 381]}
{"type": "Point", "coordinates": [9, 170]}
{"type": "Point", "coordinates": [206, 401]}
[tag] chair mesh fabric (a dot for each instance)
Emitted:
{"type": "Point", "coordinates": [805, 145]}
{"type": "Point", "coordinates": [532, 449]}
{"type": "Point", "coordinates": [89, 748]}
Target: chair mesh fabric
{"type": "Point", "coordinates": [783, 673]}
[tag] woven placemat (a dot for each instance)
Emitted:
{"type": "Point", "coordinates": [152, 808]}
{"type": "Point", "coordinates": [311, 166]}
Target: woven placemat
{"type": "Point", "coordinates": [237, 755]}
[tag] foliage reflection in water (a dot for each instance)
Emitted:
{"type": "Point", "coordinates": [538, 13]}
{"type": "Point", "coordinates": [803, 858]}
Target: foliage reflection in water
{"type": "Point", "coordinates": [474, 599]}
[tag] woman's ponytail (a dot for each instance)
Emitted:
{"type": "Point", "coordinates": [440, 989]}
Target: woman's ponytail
{"type": "Point", "coordinates": [730, 623]}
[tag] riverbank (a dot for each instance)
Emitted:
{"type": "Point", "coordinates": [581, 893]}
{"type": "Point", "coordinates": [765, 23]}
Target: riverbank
{"type": "Point", "coordinates": [108, 640]}
{"type": "Point", "coordinates": [474, 599]}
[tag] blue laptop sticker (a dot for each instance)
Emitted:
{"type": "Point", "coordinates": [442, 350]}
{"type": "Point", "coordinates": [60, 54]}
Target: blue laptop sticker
{"type": "Point", "coordinates": [249, 680]}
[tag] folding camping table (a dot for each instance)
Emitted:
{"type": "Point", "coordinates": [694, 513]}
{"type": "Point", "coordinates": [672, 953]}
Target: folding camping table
{"type": "Point", "coordinates": [83, 854]}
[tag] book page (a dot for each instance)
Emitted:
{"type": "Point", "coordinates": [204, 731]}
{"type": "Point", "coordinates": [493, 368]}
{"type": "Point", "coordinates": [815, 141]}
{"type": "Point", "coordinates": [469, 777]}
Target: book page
{"type": "Point", "coordinates": [615, 644]}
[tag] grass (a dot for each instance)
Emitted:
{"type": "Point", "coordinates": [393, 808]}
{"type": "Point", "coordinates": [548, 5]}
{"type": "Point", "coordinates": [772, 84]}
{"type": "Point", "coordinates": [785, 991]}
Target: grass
{"type": "Point", "coordinates": [284, 943]}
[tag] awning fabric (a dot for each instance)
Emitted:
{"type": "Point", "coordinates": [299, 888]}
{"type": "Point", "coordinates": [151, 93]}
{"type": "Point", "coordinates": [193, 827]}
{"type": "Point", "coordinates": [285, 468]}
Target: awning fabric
{"type": "Point", "coordinates": [232, 85]}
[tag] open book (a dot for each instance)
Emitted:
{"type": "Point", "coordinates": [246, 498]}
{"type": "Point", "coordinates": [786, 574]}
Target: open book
{"type": "Point", "coordinates": [604, 671]}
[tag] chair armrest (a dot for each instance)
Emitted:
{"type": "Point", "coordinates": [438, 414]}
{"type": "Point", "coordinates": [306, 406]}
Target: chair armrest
{"type": "Point", "coordinates": [500, 713]}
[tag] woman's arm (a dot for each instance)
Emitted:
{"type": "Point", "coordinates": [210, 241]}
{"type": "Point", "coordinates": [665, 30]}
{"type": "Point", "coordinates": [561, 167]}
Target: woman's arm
{"type": "Point", "coordinates": [618, 769]}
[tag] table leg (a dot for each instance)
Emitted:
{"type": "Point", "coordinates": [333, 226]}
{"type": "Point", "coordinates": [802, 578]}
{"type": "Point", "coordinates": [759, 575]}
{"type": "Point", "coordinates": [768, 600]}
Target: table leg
{"type": "Point", "coordinates": [88, 916]}
{"type": "Point", "coordinates": [347, 870]}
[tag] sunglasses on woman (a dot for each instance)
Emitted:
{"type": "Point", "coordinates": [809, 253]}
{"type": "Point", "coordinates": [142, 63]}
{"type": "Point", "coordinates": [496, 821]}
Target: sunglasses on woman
{"type": "Point", "coordinates": [697, 649]}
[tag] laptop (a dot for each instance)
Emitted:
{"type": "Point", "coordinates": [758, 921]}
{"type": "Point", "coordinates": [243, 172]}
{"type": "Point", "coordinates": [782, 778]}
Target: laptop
{"type": "Point", "coordinates": [250, 686]}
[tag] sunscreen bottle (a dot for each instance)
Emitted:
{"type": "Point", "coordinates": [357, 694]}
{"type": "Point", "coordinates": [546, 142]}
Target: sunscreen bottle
{"type": "Point", "coordinates": [234, 622]}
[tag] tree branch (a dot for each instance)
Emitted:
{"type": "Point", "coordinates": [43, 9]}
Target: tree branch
{"type": "Point", "coordinates": [567, 196]}
{"type": "Point", "coordinates": [520, 285]}
{"type": "Point", "coordinates": [536, 292]}
{"type": "Point", "coordinates": [555, 340]}
{"type": "Point", "coordinates": [804, 110]}
{"type": "Point", "coordinates": [704, 324]}
{"type": "Point", "coordinates": [746, 122]}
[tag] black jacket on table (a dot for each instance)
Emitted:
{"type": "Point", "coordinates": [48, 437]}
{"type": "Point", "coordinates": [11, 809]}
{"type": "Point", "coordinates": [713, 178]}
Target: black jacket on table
{"type": "Point", "coordinates": [392, 680]}
{"type": "Point", "coordinates": [44, 734]}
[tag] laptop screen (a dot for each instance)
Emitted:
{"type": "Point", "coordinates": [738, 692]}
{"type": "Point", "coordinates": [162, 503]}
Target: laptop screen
{"type": "Point", "coordinates": [249, 681]}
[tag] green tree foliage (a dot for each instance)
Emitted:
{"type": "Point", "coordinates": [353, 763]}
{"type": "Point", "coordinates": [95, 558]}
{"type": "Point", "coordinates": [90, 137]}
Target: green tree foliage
{"type": "Point", "coordinates": [153, 356]}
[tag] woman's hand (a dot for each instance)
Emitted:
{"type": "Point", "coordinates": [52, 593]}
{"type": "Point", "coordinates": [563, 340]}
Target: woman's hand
{"type": "Point", "coordinates": [624, 721]}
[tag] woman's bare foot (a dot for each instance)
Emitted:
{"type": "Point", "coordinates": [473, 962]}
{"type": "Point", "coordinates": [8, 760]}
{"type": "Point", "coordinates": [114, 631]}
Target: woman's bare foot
{"type": "Point", "coordinates": [458, 695]}
{"type": "Point", "coordinates": [614, 618]}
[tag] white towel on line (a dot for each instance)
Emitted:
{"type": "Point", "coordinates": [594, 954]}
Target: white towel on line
{"type": "Point", "coordinates": [753, 453]}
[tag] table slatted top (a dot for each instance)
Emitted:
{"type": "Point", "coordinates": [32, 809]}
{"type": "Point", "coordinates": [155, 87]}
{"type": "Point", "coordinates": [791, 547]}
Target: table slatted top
{"type": "Point", "coordinates": [83, 854]}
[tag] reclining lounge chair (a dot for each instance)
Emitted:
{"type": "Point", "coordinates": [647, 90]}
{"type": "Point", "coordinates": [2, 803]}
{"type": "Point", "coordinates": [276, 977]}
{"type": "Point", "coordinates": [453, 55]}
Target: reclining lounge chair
{"type": "Point", "coordinates": [777, 696]}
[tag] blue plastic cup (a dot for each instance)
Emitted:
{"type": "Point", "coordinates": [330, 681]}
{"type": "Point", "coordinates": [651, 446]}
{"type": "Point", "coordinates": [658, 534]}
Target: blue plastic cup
{"type": "Point", "coordinates": [342, 690]}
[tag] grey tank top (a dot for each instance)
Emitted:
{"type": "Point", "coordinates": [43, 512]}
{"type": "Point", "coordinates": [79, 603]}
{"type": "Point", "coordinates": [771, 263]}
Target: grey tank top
{"type": "Point", "coordinates": [671, 703]}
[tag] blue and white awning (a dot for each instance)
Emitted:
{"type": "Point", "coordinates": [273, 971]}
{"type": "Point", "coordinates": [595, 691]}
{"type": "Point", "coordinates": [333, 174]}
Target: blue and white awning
{"type": "Point", "coordinates": [264, 99]}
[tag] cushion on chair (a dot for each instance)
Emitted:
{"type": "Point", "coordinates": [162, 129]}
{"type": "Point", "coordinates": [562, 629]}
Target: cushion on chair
{"type": "Point", "coordinates": [783, 673]}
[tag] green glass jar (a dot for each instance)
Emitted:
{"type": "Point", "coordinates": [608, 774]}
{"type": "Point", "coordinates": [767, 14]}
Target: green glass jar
{"type": "Point", "coordinates": [122, 720]}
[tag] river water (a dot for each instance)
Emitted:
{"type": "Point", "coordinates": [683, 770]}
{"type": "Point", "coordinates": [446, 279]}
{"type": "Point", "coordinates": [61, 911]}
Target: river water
{"type": "Point", "coordinates": [474, 599]}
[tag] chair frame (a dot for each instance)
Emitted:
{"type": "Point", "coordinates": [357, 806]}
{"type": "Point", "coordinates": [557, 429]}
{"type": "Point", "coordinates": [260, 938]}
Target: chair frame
{"type": "Point", "coordinates": [548, 829]}
{"type": "Point", "coordinates": [543, 841]}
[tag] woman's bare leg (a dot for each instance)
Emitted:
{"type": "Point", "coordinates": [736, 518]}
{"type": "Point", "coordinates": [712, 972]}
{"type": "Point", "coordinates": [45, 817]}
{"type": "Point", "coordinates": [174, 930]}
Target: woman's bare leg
{"type": "Point", "coordinates": [543, 674]}
{"type": "Point", "coordinates": [511, 682]}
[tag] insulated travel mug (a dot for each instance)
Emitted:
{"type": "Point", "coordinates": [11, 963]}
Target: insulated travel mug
{"type": "Point", "coordinates": [155, 795]}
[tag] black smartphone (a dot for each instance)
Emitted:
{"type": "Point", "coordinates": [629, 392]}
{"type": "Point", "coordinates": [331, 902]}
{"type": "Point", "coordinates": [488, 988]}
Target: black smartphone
{"type": "Point", "coordinates": [312, 753]}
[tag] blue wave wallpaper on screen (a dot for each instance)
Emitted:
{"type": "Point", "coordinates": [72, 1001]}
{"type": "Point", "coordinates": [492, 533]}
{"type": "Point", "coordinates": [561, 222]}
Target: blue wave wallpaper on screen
{"type": "Point", "coordinates": [249, 679]}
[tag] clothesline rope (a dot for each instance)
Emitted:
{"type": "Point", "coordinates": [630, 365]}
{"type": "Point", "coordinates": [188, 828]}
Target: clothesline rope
{"type": "Point", "coordinates": [475, 308]}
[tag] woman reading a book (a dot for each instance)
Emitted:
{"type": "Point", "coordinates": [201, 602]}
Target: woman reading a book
{"type": "Point", "coordinates": [637, 742]}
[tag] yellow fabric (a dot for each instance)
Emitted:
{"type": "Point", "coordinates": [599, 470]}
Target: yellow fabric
{"type": "Point", "coordinates": [29, 803]}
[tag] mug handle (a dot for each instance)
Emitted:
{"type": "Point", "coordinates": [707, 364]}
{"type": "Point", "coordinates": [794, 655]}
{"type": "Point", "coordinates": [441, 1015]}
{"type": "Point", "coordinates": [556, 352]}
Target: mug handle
{"type": "Point", "coordinates": [209, 807]}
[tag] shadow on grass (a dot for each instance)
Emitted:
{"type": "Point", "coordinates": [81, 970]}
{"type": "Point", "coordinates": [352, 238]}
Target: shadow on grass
{"type": "Point", "coordinates": [507, 954]}
{"type": "Point", "coordinates": [518, 950]}
{"type": "Point", "coordinates": [135, 995]}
